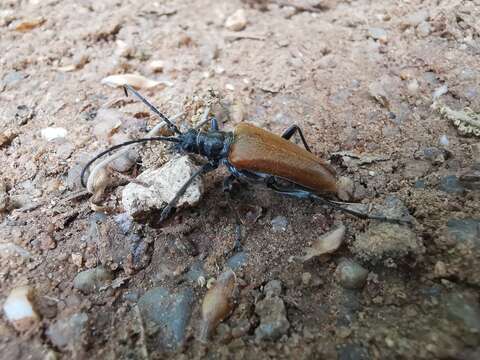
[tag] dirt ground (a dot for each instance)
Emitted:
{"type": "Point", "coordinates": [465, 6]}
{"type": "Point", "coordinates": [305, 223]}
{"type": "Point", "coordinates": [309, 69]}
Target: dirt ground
{"type": "Point", "coordinates": [396, 83]}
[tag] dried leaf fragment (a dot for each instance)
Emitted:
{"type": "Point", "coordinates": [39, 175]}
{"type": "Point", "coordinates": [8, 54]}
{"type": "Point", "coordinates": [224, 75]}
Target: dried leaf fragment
{"type": "Point", "coordinates": [28, 25]}
{"type": "Point", "coordinates": [217, 303]}
{"type": "Point", "coordinates": [134, 80]}
{"type": "Point", "coordinates": [326, 244]}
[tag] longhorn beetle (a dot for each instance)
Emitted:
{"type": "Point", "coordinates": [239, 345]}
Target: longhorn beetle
{"type": "Point", "coordinates": [253, 154]}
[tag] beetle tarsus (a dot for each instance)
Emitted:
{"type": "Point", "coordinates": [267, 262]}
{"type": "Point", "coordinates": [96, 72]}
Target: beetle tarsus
{"type": "Point", "coordinates": [287, 134]}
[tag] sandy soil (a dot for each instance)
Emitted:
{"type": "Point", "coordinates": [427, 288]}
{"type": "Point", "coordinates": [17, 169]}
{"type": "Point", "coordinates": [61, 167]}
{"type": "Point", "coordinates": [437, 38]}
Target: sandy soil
{"type": "Point", "coordinates": [374, 78]}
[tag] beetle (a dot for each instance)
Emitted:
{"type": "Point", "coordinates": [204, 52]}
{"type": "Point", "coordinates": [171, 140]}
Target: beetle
{"type": "Point", "coordinates": [252, 154]}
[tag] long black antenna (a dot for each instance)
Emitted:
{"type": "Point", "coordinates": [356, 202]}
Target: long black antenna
{"type": "Point", "coordinates": [115, 147]}
{"type": "Point", "coordinates": [171, 125]}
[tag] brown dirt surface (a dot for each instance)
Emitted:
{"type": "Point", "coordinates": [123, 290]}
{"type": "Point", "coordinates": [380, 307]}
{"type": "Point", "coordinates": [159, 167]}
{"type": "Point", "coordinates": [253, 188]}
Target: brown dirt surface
{"type": "Point", "coordinates": [372, 78]}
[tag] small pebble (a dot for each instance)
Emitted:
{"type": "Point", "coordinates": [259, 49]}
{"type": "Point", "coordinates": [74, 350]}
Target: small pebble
{"type": "Point", "coordinates": [279, 223]}
{"type": "Point", "coordinates": [67, 332]}
{"type": "Point", "coordinates": [306, 278]}
{"type": "Point", "coordinates": [444, 140]}
{"type": "Point", "coordinates": [413, 87]}
{"type": "Point", "coordinates": [19, 309]}
{"type": "Point", "coordinates": [162, 185]}
{"type": "Point", "coordinates": [351, 275]}
{"type": "Point", "coordinates": [51, 133]}
{"type": "Point", "coordinates": [91, 280]}
{"type": "Point", "coordinates": [237, 21]}
{"type": "Point", "coordinates": [156, 65]}
{"type": "Point", "coordinates": [442, 90]}
{"type": "Point", "coordinates": [451, 184]}
{"type": "Point", "coordinates": [273, 318]}
{"type": "Point", "coordinates": [378, 34]}
{"type": "Point", "coordinates": [273, 288]}
{"type": "Point", "coordinates": [3, 197]}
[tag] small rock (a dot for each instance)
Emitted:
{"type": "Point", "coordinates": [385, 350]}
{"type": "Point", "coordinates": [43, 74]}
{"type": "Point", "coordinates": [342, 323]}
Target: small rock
{"type": "Point", "coordinates": [434, 155]}
{"type": "Point", "coordinates": [279, 223]}
{"type": "Point", "coordinates": [306, 278]}
{"type": "Point", "coordinates": [107, 122]}
{"type": "Point", "coordinates": [167, 314]}
{"type": "Point", "coordinates": [23, 115]}
{"type": "Point", "coordinates": [237, 261]}
{"type": "Point", "coordinates": [413, 87]}
{"type": "Point", "coordinates": [346, 188]}
{"type": "Point", "coordinates": [3, 197]}
{"type": "Point", "coordinates": [417, 18]}
{"type": "Point", "coordinates": [237, 21]}
{"type": "Point", "coordinates": [19, 309]}
{"type": "Point", "coordinates": [441, 90]}
{"type": "Point", "coordinates": [91, 280]}
{"type": "Point", "coordinates": [67, 333]}
{"type": "Point", "coordinates": [156, 65]}
{"type": "Point", "coordinates": [273, 317]}
{"type": "Point", "coordinates": [464, 230]}
{"type": "Point", "coordinates": [451, 184]}
{"type": "Point", "coordinates": [273, 288]}
{"type": "Point", "coordinates": [415, 169]}
{"type": "Point", "coordinates": [10, 249]}
{"type": "Point", "coordinates": [469, 179]}
{"type": "Point", "coordinates": [77, 259]}
{"type": "Point", "coordinates": [351, 275]}
{"type": "Point", "coordinates": [443, 140]}
{"type": "Point", "coordinates": [440, 269]}
{"type": "Point", "coordinates": [424, 29]}
{"type": "Point", "coordinates": [384, 240]}
{"type": "Point", "coordinates": [378, 34]}
{"type": "Point", "coordinates": [6, 137]}
{"type": "Point", "coordinates": [162, 185]}
{"type": "Point", "coordinates": [464, 309]}
{"type": "Point", "coordinates": [51, 133]}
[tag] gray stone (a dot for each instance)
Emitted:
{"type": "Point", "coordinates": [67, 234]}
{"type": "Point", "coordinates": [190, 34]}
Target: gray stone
{"type": "Point", "coordinates": [378, 34]}
{"type": "Point", "coordinates": [279, 223]}
{"type": "Point", "coordinates": [67, 333]}
{"type": "Point", "coordinates": [352, 352]}
{"type": "Point", "coordinates": [237, 261]}
{"type": "Point", "coordinates": [273, 288]}
{"type": "Point", "coordinates": [92, 280]}
{"type": "Point", "coordinates": [463, 230]}
{"type": "Point", "coordinates": [273, 319]}
{"type": "Point", "coordinates": [464, 309]}
{"type": "Point", "coordinates": [470, 178]}
{"type": "Point", "coordinates": [168, 314]}
{"type": "Point", "coordinates": [195, 272]}
{"type": "Point", "coordinates": [383, 240]}
{"type": "Point", "coordinates": [351, 275]}
{"type": "Point", "coordinates": [451, 184]}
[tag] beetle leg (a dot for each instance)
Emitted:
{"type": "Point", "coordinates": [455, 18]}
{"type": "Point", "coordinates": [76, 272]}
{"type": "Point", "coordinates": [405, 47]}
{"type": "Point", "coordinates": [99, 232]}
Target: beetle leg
{"type": "Point", "coordinates": [305, 194]}
{"type": "Point", "coordinates": [227, 188]}
{"type": "Point", "coordinates": [203, 170]}
{"type": "Point", "coordinates": [287, 134]}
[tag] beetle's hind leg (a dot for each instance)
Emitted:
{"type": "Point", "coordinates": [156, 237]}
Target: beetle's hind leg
{"type": "Point", "coordinates": [287, 134]}
{"type": "Point", "coordinates": [227, 188]}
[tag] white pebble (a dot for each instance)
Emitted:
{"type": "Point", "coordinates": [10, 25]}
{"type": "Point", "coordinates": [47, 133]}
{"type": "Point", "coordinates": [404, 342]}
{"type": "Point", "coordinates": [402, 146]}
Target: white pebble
{"type": "Point", "coordinates": [442, 90]}
{"type": "Point", "coordinates": [156, 65]}
{"type": "Point", "coordinates": [51, 133]}
{"type": "Point", "coordinates": [444, 140]}
{"type": "Point", "coordinates": [237, 21]}
{"type": "Point", "coordinates": [230, 87]}
{"type": "Point", "coordinates": [162, 185]}
{"type": "Point", "coordinates": [19, 310]}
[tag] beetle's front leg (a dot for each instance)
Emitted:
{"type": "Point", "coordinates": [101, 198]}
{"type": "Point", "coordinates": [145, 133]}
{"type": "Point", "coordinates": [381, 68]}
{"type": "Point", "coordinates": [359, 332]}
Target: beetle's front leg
{"type": "Point", "coordinates": [203, 170]}
{"type": "Point", "coordinates": [227, 188]}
